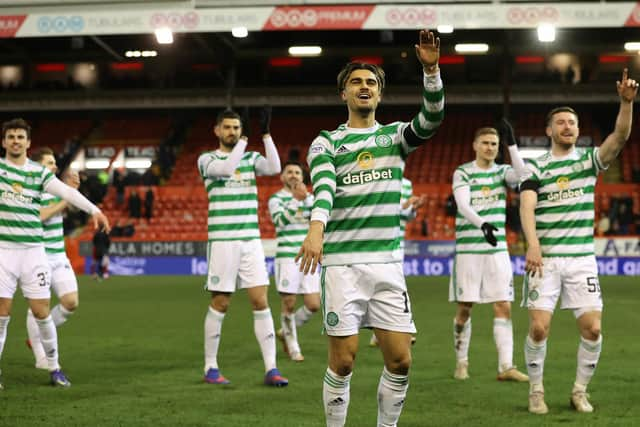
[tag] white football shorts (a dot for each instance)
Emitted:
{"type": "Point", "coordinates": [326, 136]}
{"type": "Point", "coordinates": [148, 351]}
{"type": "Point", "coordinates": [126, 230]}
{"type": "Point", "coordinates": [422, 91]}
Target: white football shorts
{"type": "Point", "coordinates": [481, 278]}
{"type": "Point", "coordinates": [290, 280]}
{"type": "Point", "coordinates": [63, 278]}
{"type": "Point", "coordinates": [236, 264]}
{"type": "Point", "coordinates": [29, 268]}
{"type": "Point", "coordinates": [572, 279]}
{"type": "Point", "coordinates": [365, 296]}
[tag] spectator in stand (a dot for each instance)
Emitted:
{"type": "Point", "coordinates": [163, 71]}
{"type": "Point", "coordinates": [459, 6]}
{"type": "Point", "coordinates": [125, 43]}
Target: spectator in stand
{"type": "Point", "coordinates": [129, 229]}
{"type": "Point", "coordinates": [614, 211]}
{"type": "Point", "coordinates": [135, 204]}
{"type": "Point", "coordinates": [122, 230]}
{"type": "Point", "coordinates": [166, 158]}
{"type": "Point", "coordinates": [103, 179]}
{"type": "Point", "coordinates": [100, 266]}
{"type": "Point", "coordinates": [118, 183]}
{"type": "Point", "coordinates": [151, 175]}
{"type": "Point", "coordinates": [424, 227]}
{"type": "Point", "coordinates": [94, 188]}
{"type": "Point", "coordinates": [635, 174]}
{"type": "Point", "coordinates": [132, 178]}
{"type": "Point", "coordinates": [604, 224]}
{"type": "Point", "coordinates": [625, 217]}
{"type": "Point", "coordinates": [84, 184]}
{"type": "Point", "coordinates": [450, 206]}
{"type": "Point", "coordinates": [615, 227]}
{"type": "Point", "coordinates": [117, 230]}
{"type": "Point", "coordinates": [148, 203]}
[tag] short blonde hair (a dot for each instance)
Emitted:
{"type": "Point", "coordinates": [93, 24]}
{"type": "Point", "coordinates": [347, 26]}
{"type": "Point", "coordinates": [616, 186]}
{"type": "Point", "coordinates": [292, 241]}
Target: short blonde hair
{"type": "Point", "coordinates": [485, 131]}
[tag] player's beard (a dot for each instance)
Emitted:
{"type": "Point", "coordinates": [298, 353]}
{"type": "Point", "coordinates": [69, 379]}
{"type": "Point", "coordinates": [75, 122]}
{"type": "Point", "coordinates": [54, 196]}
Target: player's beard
{"type": "Point", "coordinates": [291, 184]}
{"type": "Point", "coordinates": [229, 142]}
{"type": "Point", "coordinates": [566, 143]}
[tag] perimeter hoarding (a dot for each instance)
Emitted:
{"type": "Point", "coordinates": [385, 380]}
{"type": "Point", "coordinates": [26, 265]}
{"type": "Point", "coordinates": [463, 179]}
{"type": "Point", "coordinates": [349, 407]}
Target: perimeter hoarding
{"type": "Point", "coordinates": [413, 265]}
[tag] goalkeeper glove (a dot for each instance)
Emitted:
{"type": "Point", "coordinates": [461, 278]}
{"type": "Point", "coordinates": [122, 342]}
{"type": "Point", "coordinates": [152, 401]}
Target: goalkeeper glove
{"type": "Point", "coordinates": [506, 132]}
{"type": "Point", "coordinates": [487, 230]}
{"type": "Point", "coordinates": [246, 125]}
{"type": "Point", "coordinates": [265, 119]}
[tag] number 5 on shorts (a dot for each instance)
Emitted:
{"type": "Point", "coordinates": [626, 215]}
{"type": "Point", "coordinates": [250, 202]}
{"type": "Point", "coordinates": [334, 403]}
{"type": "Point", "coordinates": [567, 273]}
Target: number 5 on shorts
{"type": "Point", "coordinates": [593, 285]}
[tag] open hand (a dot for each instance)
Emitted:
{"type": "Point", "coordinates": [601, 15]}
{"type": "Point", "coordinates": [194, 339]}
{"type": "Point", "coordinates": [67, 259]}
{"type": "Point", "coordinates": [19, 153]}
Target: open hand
{"type": "Point", "coordinates": [100, 221]}
{"type": "Point", "coordinates": [310, 253]}
{"type": "Point", "coordinates": [428, 51]}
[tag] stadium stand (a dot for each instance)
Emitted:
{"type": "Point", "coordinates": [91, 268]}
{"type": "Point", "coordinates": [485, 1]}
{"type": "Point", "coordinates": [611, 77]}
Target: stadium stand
{"type": "Point", "coordinates": [180, 205]}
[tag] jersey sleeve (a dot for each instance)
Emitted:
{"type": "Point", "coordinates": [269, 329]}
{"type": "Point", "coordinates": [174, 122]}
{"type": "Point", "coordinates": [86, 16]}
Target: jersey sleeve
{"type": "Point", "coordinates": [425, 124]}
{"type": "Point", "coordinates": [210, 165]}
{"type": "Point", "coordinates": [460, 179]}
{"type": "Point", "coordinates": [510, 177]}
{"type": "Point", "coordinates": [532, 182]}
{"type": "Point", "coordinates": [323, 177]}
{"type": "Point", "coordinates": [270, 163]}
{"type": "Point", "coordinates": [46, 177]}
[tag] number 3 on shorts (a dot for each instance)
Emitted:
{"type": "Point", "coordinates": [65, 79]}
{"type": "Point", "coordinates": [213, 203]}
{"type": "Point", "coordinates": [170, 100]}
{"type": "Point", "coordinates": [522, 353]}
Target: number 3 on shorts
{"type": "Point", "coordinates": [43, 279]}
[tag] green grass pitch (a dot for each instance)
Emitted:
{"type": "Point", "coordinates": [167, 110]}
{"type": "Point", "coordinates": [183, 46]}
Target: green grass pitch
{"type": "Point", "coordinates": [134, 354]}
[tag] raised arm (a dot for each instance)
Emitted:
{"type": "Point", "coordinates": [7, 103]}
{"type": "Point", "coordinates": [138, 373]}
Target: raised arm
{"type": "Point", "coordinates": [211, 166]}
{"type": "Point", "coordinates": [613, 144]}
{"type": "Point", "coordinates": [58, 188]}
{"type": "Point", "coordinates": [425, 124]}
{"type": "Point", "coordinates": [72, 180]}
{"type": "Point", "coordinates": [519, 172]}
{"type": "Point", "coordinates": [270, 164]}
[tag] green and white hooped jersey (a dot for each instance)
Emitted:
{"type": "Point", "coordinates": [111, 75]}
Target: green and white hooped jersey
{"type": "Point", "coordinates": [488, 188]}
{"type": "Point", "coordinates": [565, 209]}
{"type": "Point", "coordinates": [357, 182]}
{"type": "Point", "coordinates": [53, 232]}
{"type": "Point", "coordinates": [291, 219]}
{"type": "Point", "coordinates": [21, 189]}
{"type": "Point", "coordinates": [233, 201]}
